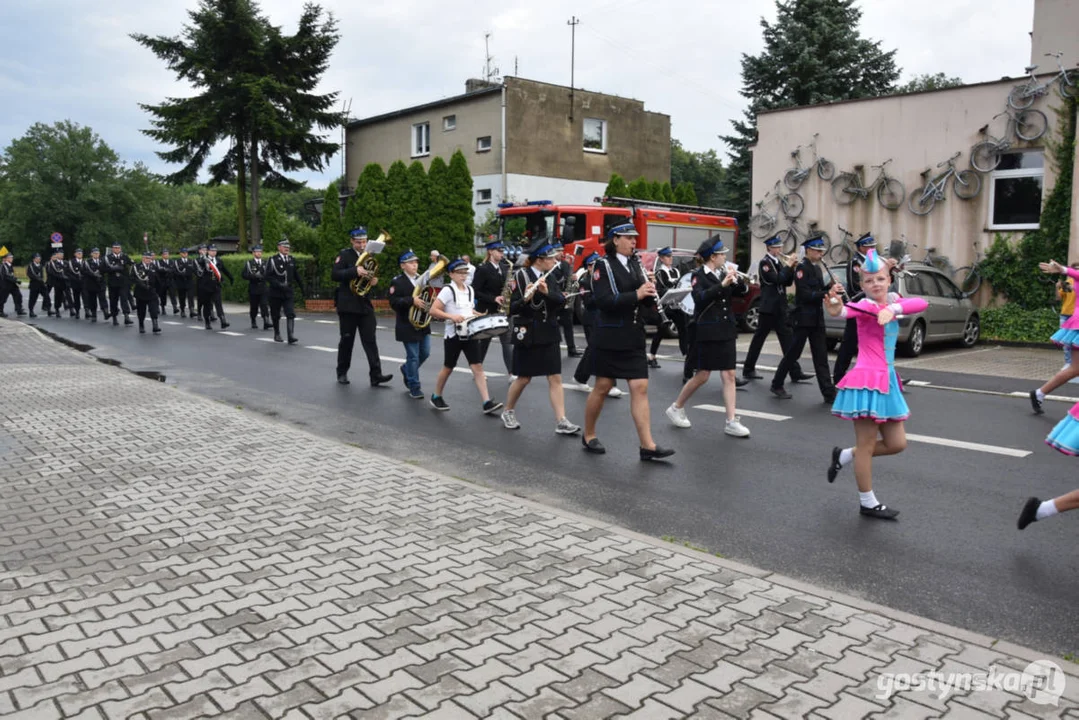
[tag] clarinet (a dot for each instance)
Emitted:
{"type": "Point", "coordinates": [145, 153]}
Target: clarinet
{"type": "Point", "coordinates": [638, 271]}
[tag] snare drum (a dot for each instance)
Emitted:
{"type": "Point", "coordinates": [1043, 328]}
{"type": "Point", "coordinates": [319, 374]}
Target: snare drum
{"type": "Point", "coordinates": [484, 327]}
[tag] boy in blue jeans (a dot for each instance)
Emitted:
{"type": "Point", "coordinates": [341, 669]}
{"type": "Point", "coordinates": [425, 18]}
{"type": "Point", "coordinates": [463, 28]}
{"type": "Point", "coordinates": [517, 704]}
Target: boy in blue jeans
{"type": "Point", "coordinates": [417, 341]}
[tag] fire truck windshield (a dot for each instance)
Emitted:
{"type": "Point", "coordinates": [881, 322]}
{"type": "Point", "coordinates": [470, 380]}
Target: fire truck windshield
{"type": "Point", "coordinates": [523, 229]}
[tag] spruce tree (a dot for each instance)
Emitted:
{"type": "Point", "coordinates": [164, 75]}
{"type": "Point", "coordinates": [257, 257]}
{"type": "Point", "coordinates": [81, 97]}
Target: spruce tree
{"type": "Point", "coordinates": [332, 237]}
{"type": "Point", "coordinates": [616, 187]}
{"type": "Point", "coordinates": [639, 189]}
{"type": "Point", "coordinates": [667, 193]}
{"type": "Point", "coordinates": [438, 226]}
{"type": "Point", "coordinates": [655, 190]}
{"type": "Point", "coordinates": [684, 194]}
{"type": "Point", "coordinates": [273, 223]}
{"type": "Point", "coordinates": [419, 236]}
{"type": "Point", "coordinates": [371, 209]}
{"type": "Point", "coordinates": [461, 218]}
{"type": "Point", "coordinates": [351, 218]}
{"type": "Point", "coordinates": [397, 219]}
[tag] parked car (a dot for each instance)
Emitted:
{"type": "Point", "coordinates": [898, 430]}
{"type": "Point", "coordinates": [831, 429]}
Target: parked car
{"type": "Point", "coordinates": [746, 308]}
{"type": "Point", "coordinates": [950, 315]}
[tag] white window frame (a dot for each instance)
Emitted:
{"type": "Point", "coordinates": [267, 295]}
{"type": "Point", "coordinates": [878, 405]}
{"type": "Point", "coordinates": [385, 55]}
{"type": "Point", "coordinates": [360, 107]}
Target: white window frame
{"type": "Point", "coordinates": [480, 148]}
{"type": "Point", "coordinates": [1006, 174]}
{"type": "Point", "coordinates": [480, 199]}
{"type": "Point", "coordinates": [449, 122]}
{"type": "Point", "coordinates": [417, 150]}
{"type": "Point", "coordinates": [603, 128]}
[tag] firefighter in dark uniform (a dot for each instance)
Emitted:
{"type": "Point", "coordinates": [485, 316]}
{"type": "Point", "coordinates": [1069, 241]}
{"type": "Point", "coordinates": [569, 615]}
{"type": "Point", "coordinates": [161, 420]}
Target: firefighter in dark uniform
{"type": "Point", "coordinates": [73, 275]}
{"type": "Point", "coordinates": [621, 291]}
{"type": "Point", "coordinates": [416, 341]}
{"type": "Point", "coordinates": [488, 283]}
{"type": "Point", "coordinates": [166, 282]}
{"type": "Point", "coordinates": [776, 276]}
{"type": "Point", "coordinates": [183, 269]}
{"type": "Point", "coordinates": [9, 285]}
{"type": "Point", "coordinates": [666, 278]}
{"type": "Point", "coordinates": [35, 271]}
{"type": "Point", "coordinates": [93, 283]}
{"type": "Point", "coordinates": [200, 262]}
{"type": "Point", "coordinates": [281, 274]}
{"type": "Point", "coordinates": [61, 296]}
{"type": "Point", "coordinates": [211, 270]}
{"type": "Point", "coordinates": [849, 347]}
{"type": "Point", "coordinates": [355, 312]}
{"type": "Point", "coordinates": [564, 275]}
{"type": "Point", "coordinates": [809, 293]}
{"type": "Point", "coordinates": [145, 275]}
{"type": "Point", "coordinates": [254, 273]}
{"type": "Point", "coordinates": [116, 266]}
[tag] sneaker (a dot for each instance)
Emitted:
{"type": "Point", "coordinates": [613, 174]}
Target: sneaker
{"type": "Point", "coordinates": [490, 407]}
{"type": "Point", "coordinates": [735, 428]}
{"type": "Point", "coordinates": [438, 403]}
{"type": "Point", "coordinates": [512, 378]}
{"type": "Point", "coordinates": [677, 416]}
{"type": "Point", "coordinates": [565, 427]}
{"type": "Point", "coordinates": [615, 392]}
{"type": "Point", "coordinates": [1036, 403]}
{"type": "Point", "coordinates": [415, 394]}
{"type": "Point", "coordinates": [509, 420]}
{"type": "Point", "coordinates": [1029, 513]}
{"type": "Point", "coordinates": [881, 512]}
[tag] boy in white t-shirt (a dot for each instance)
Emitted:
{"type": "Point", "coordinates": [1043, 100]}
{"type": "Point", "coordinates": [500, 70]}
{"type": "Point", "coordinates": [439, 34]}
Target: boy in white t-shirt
{"type": "Point", "coordinates": [455, 304]}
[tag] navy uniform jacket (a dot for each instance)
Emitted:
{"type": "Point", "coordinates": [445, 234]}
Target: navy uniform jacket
{"type": "Point", "coordinates": [535, 322]}
{"type": "Point", "coordinates": [145, 285]}
{"type": "Point", "coordinates": [254, 273]}
{"type": "Point", "coordinates": [73, 272]}
{"type": "Point", "coordinates": [116, 266]}
{"type": "Point", "coordinates": [775, 279]}
{"type": "Point", "coordinates": [207, 282]}
{"type": "Point", "coordinates": [37, 276]}
{"type": "Point", "coordinates": [281, 273]}
{"type": "Point", "coordinates": [344, 272]}
{"type": "Point", "coordinates": [619, 325]}
{"type": "Point", "coordinates": [809, 292]}
{"type": "Point", "coordinates": [8, 281]}
{"type": "Point", "coordinates": [94, 275]}
{"type": "Point", "coordinates": [487, 283]}
{"type": "Point", "coordinates": [183, 269]}
{"type": "Point", "coordinates": [713, 315]}
{"type": "Point", "coordinates": [163, 274]}
{"type": "Point", "coordinates": [401, 289]}
{"type": "Point", "coordinates": [57, 274]}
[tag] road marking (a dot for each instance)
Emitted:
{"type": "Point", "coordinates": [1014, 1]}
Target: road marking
{"type": "Point", "coordinates": [917, 383]}
{"type": "Point", "coordinates": [963, 445]}
{"type": "Point", "coordinates": [320, 348]}
{"type": "Point", "coordinates": [488, 373]}
{"type": "Point", "coordinates": [173, 322]}
{"type": "Point", "coordinates": [960, 353]}
{"type": "Point", "coordinates": [264, 339]}
{"type": "Point", "coordinates": [230, 333]}
{"type": "Point", "coordinates": [747, 413]}
{"type": "Point", "coordinates": [326, 322]}
{"type": "Point", "coordinates": [196, 327]}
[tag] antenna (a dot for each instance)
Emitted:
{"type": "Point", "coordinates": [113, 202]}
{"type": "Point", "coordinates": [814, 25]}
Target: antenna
{"type": "Point", "coordinates": [489, 73]}
{"type": "Point", "coordinates": [573, 22]}
{"type": "Point", "coordinates": [515, 65]}
{"type": "Point", "coordinates": [345, 109]}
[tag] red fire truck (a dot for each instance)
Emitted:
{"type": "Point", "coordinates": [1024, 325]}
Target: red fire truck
{"type": "Point", "coordinates": [659, 224]}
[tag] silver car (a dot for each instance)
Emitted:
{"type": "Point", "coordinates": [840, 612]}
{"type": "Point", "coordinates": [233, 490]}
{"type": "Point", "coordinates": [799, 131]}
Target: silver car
{"type": "Point", "coordinates": [950, 315]}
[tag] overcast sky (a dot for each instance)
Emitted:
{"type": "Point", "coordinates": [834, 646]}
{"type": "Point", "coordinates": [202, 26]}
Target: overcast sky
{"type": "Point", "coordinates": [73, 59]}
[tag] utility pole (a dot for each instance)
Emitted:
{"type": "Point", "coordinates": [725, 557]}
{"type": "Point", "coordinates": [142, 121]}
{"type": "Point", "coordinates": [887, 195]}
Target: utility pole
{"type": "Point", "coordinates": [573, 22]}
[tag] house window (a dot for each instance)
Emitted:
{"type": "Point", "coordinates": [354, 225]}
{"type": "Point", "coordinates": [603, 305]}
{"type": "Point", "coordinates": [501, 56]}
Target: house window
{"type": "Point", "coordinates": [595, 135]}
{"type": "Point", "coordinates": [483, 144]}
{"type": "Point", "coordinates": [449, 122]}
{"type": "Point", "coordinates": [1015, 191]}
{"type": "Point", "coordinates": [421, 139]}
{"type": "Point", "coordinates": [483, 196]}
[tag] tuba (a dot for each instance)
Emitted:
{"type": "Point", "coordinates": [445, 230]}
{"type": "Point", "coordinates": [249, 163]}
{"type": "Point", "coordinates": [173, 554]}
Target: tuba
{"type": "Point", "coordinates": [422, 318]}
{"type": "Point", "coordinates": [362, 285]}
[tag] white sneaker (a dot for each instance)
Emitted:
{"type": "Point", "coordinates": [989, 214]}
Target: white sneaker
{"type": "Point", "coordinates": [677, 416]}
{"type": "Point", "coordinates": [512, 378]}
{"type": "Point", "coordinates": [735, 428]}
{"type": "Point", "coordinates": [615, 392]}
{"type": "Point", "coordinates": [565, 427]}
{"type": "Point", "coordinates": [509, 420]}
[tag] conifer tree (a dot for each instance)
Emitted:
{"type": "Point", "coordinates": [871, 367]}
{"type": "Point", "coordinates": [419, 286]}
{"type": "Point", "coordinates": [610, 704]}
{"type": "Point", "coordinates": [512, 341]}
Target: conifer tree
{"type": "Point", "coordinates": [460, 217]}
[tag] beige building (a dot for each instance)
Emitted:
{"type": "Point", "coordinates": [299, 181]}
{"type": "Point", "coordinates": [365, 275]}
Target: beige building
{"type": "Point", "coordinates": [524, 140]}
{"type": "Point", "coordinates": [915, 132]}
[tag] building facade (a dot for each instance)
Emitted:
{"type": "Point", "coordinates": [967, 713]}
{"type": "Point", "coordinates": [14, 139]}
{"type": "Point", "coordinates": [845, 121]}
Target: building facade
{"type": "Point", "coordinates": [524, 140]}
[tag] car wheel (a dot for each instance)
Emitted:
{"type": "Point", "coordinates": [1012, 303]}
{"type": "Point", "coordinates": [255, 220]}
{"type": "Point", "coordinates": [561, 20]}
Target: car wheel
{"type": "Point", "coordinates": [914, 344]}
{"type": "Point", "coordinates": [971, 331]}
{"type": "Point", "coordinates": [751, 320]}
{"type": "Point", "coordinates": [832, 344]}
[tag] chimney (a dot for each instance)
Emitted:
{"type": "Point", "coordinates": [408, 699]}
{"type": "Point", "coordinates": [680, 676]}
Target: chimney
{"type": "Point", "coordinates": [474, 84]}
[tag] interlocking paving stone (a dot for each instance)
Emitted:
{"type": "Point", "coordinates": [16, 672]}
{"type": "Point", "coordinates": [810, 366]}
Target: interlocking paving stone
{"type": "Point", "coordinates": [148, 580]}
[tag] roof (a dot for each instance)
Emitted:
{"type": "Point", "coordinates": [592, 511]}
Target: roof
{"type": "Point", "coordinates": [424, 106]}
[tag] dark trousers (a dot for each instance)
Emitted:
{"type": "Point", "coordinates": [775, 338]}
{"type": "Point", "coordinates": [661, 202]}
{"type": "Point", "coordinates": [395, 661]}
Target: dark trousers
{"type": "Point", "coordinates": [164, 294]}
{"type": "Point", "coordinates": [565, 319]}
{"type": "Point", "coordinates": [818, 347]}
{"type": "Point", "coordinates": [16, 296]}
{"type": "Point", "coordinates": [279, 304]}
{"type": "Point", "coordinates": [35, 293]}
{"type": "Point", "coordinates": [350, 324]}
{"type": "Point", "coordinates": [61, 297]}
{"type": "Point", "coordinates": [92, 296]}
{"type": "Point", "coordinates": [769, 322]}
{"type": "Point", "coordinates": [217, 304]}
{"type": "Point", "coordinates": [206, 304]}
{"type": "Point", "coordinates": [74, 297]}
{"type": "Point", "coordinates": [117, 297]}
{"type": "Point", "coordinates": [507, 350]}
{"type": "Point", "coordinates": [151, 304]}
{"type": "Point", "coordinates": [187, 297]}
{"type": "Point", "coordinates": [258, 304]}
{"type": "Point", "coordinates": [847, 350]}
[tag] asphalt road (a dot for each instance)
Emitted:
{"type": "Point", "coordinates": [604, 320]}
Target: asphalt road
{"type": "Point", "coordinates": [953, 556]}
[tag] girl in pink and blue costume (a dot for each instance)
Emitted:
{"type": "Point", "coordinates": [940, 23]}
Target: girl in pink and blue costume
{"type": "Point", "coordinates": [870, 394]}
{"type": "Point", "coordinates": [1066, 336]}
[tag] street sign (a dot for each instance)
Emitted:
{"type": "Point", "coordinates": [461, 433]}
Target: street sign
{"type": "Point", "coordinates": [57, 239]}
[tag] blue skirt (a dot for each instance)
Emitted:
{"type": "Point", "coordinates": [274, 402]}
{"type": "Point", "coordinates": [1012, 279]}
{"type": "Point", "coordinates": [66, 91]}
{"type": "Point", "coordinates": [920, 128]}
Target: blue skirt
{"type": "Point", "coordinates": [857, 403]}
{"type": "Point", "coordinates": [1066, 338]}
{"type": "Point", "coordinates": [1065, 436]}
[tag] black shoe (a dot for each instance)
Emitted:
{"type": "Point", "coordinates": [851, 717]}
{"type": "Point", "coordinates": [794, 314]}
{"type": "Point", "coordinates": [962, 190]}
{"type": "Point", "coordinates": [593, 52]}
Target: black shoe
{"type": "Point", "coordinates": [653, 363]}
{"type": "Point", "coordinates": [658, 453]}
{"type": "Point", "coordinates": [115, 322]}
{"type": "Point", "coordinates": [254, 325]}
{"type": "Point", "coordinates": [379, 379]}
{"type": "Point", "coordinates": [781, 393]}
{"type": "Point", "coordinates": [574, 352]}
{"type": "Point", "coordinates": [1029, 513]}
{"type": "Point", "coordinates": [157, 328]}
{"type": "Point", "coordinates": [290, 327]}
{"type": "Point", "coordinates": [209, 326]}
{"type": "Point", "coordinates": [752, 375]}
{"type": "Point", "coordinates": [277, 337]}
{"type": "Point", "coordinates": [491, 407]}
{"type": "Point", "coordinates": [292, 339]}
{"type": "Point", "coordinates": [593, 446]}
{"type": "Point", "coordinates": [342, 379]}
{"type": "Point", "coordinates": [1036, 403]}
{"type": "Point", "coordinates": [881, 512]}
{"type": "Point", "coordinates": [741, 382]}
{"type": "Point", "coordinates": [183, 313]}
{"type": "Point", "coordinates": [439, 404]}
{"type": "Point", "coordinates": [802, 378]}
{"type": "Point", "coordinates": [93, 319]}
{"type": "Point", "coordinates": [33, 315]}
{"type": "Point", "coordinates": [224, 324]}
{"type": "Point", "coordinates": [213, 318]}
{"type": "Point", "coordinates": [266, 325]}
{"type": "Point", "coordinates": [128, 321]}
{"type": "Point", "coordinates": [142, 329]}
{"type": "Point", "coordinates": [3, 314]}
{"type": "Point", "coordinates": [835, 467]}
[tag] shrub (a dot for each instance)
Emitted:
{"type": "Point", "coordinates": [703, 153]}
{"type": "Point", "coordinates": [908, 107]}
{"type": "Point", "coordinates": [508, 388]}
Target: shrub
{"type": "Point", "coordinates": [1013, 323]}
{"type": "Point", "coordinates": [237, 290]}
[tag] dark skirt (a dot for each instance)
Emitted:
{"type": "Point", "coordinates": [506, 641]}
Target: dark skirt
{"type": "Point", "coordinates": [619, 364]}
{"type": "Point", "coordinates": [720, 355]}
{"type": "Point", "coordinates": [538, 360]}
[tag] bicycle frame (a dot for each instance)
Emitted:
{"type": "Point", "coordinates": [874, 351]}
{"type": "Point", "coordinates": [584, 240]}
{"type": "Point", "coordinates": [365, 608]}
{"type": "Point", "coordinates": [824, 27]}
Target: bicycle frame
{"type": "Point", "coordinates": [1036, 86]}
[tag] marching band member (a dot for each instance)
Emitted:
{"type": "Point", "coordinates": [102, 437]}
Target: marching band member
{"type": "Point", "coordinates": [417, 341]}
{"type": "Point", "coordinates": [870, 394]}
{"type": "Point", "coordinates": [1066, 336]}
{"type": "Point", "coordinates": [620, 289]}
{"type": "Point", "coordinates": [94, 287]}
{"type": "Point", "coordinates": [184, 268]}
{"type": "Point", "coordinates": [197, 270]}
{"type": "Point", "coordinates": [210, 286]}
{"type": "Point", "coordinates": [849, 347]}
{"type": "Point", "coordinates": [488, 282]}
{"type": "Point", "coordinates": [254, 273]}
{"type": "Point", "coordinates": [666, 278]}
{"type": "Point", "coordinates": [117, 265]}
{"type": "Point", "coordinates": [455, 304]}
{"type": "Point", "coordinates": [715, 333]}
{"type": "Point", "coordinates": [166, 276]}
{"type": "Point", "coordinates": [281, 273]}
{"type": "Point", "coordinates": [9, 285]}
{"type": "Point", "coordinates": [73, 277]}
{"type": "Point", "coordinates": [146, 297]}
{"type": "Point", "coordinates": [58, 282]}
{"type": "Point", "coordinates": [562, 276]}
{"type": "Point", "coordinates": [535, 334]}
{"type": "Point", "coordinates": [776, 276]}
{"type": "Point", "coordinates": [355, 314]}
{"type": "Point", "coordinates": [35, 271]}
{"type": "Point", "coordinates": [588, 321]}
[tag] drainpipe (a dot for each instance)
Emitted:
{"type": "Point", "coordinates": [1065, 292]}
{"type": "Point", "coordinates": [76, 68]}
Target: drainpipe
{"type": "Point", "coordinates": [505, 178]}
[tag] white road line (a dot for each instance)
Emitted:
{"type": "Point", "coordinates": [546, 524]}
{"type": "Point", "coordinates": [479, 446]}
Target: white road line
{"type": "Point", "coordinates": [230, 333]}
{"type": "Point", "coordinates": [196, 327]}
{"type": "Point", "coordinates": [326, 322]}
{"type": "Point", "coordinates": [488, 373]}
{"type": "Point", "coordinates": [320, 348]}
{"type": "Point", "coordinates": [960, 353]}
{"type": "Point", "coordinates": [746, 413]}
{"type": "Point", "coordinates": [173, 322]}
{"type": "Point", "coordinates": [917, 383]}
{"type": "Point", "coordinates": [264, 339]}
{"type": "Point", "coordinates": [963, 445]}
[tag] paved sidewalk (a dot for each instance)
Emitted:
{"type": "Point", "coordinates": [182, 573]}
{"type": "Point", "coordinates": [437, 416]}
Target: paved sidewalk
{"type": "Point", "coordinates": [265, 572]}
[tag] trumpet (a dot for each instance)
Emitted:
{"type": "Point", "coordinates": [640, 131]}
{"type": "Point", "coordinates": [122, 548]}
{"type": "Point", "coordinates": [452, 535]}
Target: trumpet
{"type": "Point", "coordinates": [732, 268]}
{"type": "Point", "coordinates": [787, 259]}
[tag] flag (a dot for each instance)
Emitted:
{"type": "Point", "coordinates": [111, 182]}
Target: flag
{"type": "Point", "coordinates": [3, 250]}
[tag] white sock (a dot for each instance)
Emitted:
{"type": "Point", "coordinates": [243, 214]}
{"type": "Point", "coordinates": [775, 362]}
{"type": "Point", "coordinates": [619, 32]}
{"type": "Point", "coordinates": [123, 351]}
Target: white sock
{"type": "Point", "coordinates": [846, 456]}
{"type": "Point", "coordinates": [1039, 394]}
{"type": "Point", "coordinates": [1048, 508]}
{"type": "Point", "coordinates": [868, 499]}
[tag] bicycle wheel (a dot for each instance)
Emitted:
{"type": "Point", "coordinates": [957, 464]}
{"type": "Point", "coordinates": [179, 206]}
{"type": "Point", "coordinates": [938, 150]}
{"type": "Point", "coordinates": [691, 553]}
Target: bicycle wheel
{"type": "Point", "coordinates": [761, 225]}
{"type": "Point", "coordinates": [968, 278]}
{"type": "Point", "coordinates": [967, 184]}
{"type": "Point", "coordinates": [794, 178]}
{"type": "Point", "coordinates": [825, 169]}
{"type": "Point", "coordinates": [839, 254]}
{"type": "Point", "coordinates": [1021, 97]}
{"type": "Point", "coordinates": [891, 193]}
{"type": "Point", "coordinates": [789, 239]}
{"type": "Point", "coordinates": [845, 188]}
{"type": "Point", "coordinates": [1031, 124]}
{"type": "Point", "coordinates": [922, 202]}
{"type": "Point", "coordinates": [793, 204]}
{"type": "Point", "coordinates": [1069, 84]}
{"type": "Point", "coordinates": [984, 157]}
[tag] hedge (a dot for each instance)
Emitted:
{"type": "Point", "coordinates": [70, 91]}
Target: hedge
{"type": "Point", "coordinates": [1012, 323]}
{"type": "Point", "coordinates": [236, 291]}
